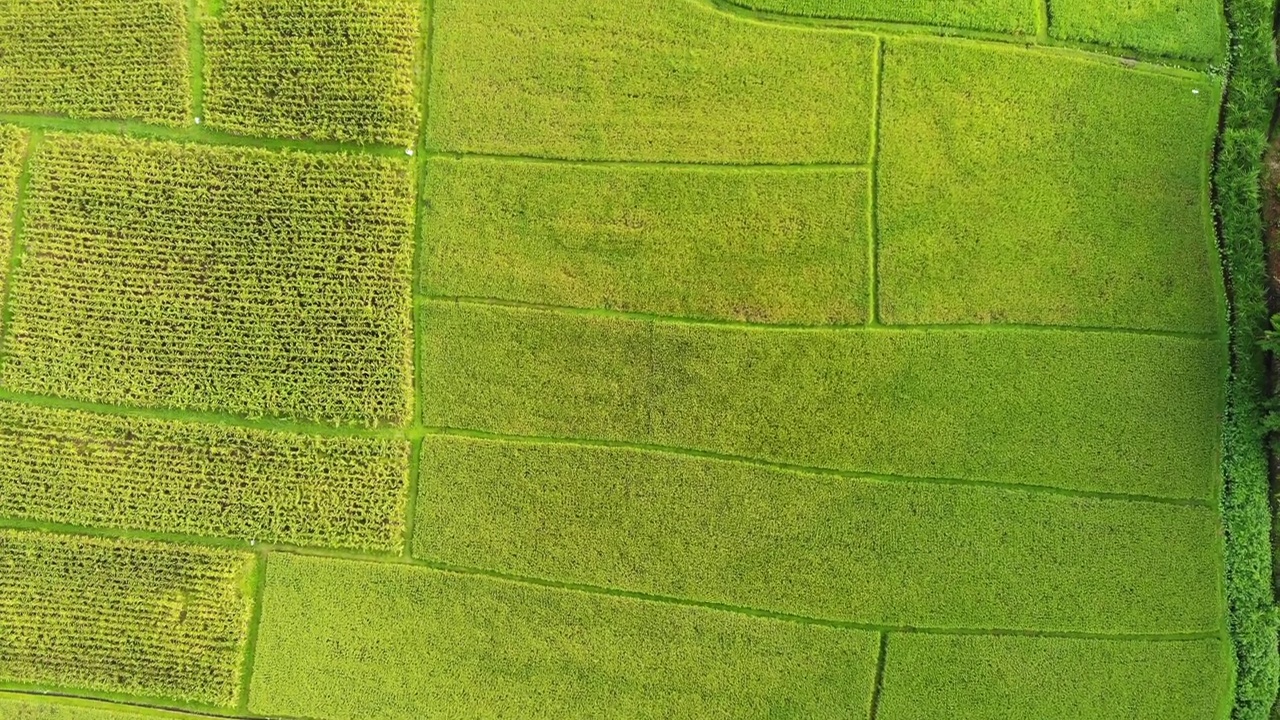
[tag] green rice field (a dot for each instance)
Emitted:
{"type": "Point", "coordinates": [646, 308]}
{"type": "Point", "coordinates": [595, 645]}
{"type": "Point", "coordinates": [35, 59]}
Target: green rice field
{"type": "Point", "coordinates": [620, 359]}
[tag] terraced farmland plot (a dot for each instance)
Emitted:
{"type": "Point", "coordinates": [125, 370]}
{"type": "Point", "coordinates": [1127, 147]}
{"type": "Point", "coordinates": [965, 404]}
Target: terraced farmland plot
{"type": "Point", "coordinates": [621, 359]}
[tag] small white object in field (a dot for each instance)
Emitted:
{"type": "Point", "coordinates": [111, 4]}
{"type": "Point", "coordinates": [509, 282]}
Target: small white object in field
{"type": "Point", "coordinates": [408, 151]}
{"type": "Point", "coordinates": [197, 121]}
{"type": "Point", "coordinates": [1195, 92]}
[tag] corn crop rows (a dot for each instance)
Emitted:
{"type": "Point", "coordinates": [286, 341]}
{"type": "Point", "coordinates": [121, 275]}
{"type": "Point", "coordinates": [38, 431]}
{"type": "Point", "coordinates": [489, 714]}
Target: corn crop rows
{"type": "Point", "coordinates": [219, 279]}
{"type": "Point", "coordinates": [125, 616]}
{"type": "Point", "coordinates": [89, 469]}
{"type": "Point", "coordinates": [96, 58]}
{"type": "Point", "coordinates": [323, 69]}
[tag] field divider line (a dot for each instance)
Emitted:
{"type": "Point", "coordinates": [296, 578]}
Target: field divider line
{"type": "Point", "coordinates": [195, 56]}
{"type": "Point", "coordinates": [203, 135]}
{"type": "Point", "coordinates": [1155, 62]}
{"type": "Point", "coordinates": [809, 470]}
{"type": "Point", "coordinates": [411, 495]}
{"type": "Point", "coordinates": [873, 190]}
{"type": "Point", "coordinates": [648, 164]}
{"type": "Point", "coordinates": [49, 402]}
{"type": "Point", "coordinates": [149, 707]}
{"type": "Point", "coordinates": [1042, 21]}
{"type": "Point", "coordinates": [17, 237]}
{"type": "Point", "coordinates": [748, 325]}
{"type": "Point", "coordinates": [877, 690]}
{"type": "Point", "coordinates": [198, 134]}
{"type": "Point", "coordinates": [258, 589]}
{"type": "Point", "coordinates": [266, 549]}
{"type": "Point", "coordinates": [425, 47]}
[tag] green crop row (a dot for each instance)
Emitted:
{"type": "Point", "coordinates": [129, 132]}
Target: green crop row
{"type": "Point", "coordinates": [1107, 223]}
{"type": "Point", "coordinates": [970, 677]}
{"type": "Point", "coordinates": [1250, 103]}
{"type": "Point", "coordinates": [764, 246]}
{"type": "Point", "coordinates": [346, 640]}
{"type": "Point", "coordinates": [868, 551]}
{"type": "Point", "coordinates": [125, 616]}
{"type": "Point", "coordinates": [1010, 16]}
{"type": "Point", "coordinates": [80, 468]}
{"type": "Point", "coordinates": [645, 80]}
{"type": "Point", "coordinates": [13, 145]}
{"type": "Point", "coordinates": [214, 278]}
{"type": "Point", "coordinates": [1088, 411]}
{"type": "Point", "coordinates": [95, 58]}
{"type": "Point", "coordinates": [324, 69]}
{"type": "Point", "coordinates": [1189, 29]}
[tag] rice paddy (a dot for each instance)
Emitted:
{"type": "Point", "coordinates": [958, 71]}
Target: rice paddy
{"type": "Point", "coordinates": [631, 359]}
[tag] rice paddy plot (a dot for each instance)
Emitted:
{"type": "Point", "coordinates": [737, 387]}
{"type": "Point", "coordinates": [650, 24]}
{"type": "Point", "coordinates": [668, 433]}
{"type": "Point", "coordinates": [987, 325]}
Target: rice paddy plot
{"type": "Point", "coordinates": [142, 618]}
{"type": "Point", "coordinates": [1100, 412]}
{"type": "Point", "coordinates": [1017, 17]}
{"type": "Point", "coordinates": [970, 677]}
{"type": "Point", "coordinates": [219, 279]}
{"type": "Point", "coordinates": [903, 554]}
{"type": "Point", "coordinates": [320, 69]}
{"type": "Point", "coordinates": [96, 59]}
{"type": "Point", "coordinates": [645, 80]}
{"type": "Point", "coordinates": [79, 468]}
{"type": "Point", "coordinates": [1015, 188]}
{"type": "Point", "coordinates": [1190, 29]}
{"type": "Point", "coordinates": [758, 245]}
{"type": "Point", "coordinates": [348, 640]}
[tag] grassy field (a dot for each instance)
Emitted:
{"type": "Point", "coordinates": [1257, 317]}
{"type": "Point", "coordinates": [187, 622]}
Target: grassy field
{"type": "Point", "coordinates": [733, 359]}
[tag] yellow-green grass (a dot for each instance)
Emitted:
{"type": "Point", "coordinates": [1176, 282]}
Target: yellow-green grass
{"type": "Point", "coordinates": [143, 618]}
{"type": "Point", "coordinates": [903, 554]}
{"type": "Point", "coordinates": [218, 279]}
{"type": "Point", "coordinates": [322, 69]}
{"type": "Point", "coordinates": [1009, 16]}
{"type": "Point", "coordinates": [95, 59]}
{"type": "Point", "coordinates": [982, 678]}
{"type": "Point", "coordinates": [1102, 412]}
{"type": "Point", "coordinates": [13, 145]}
{"type": "Point", "coordinates": [1017, 186]}
{"type": "Point", "coordinates": [787, 246]}
{"type": "Point", "coordinates": [35, 707]}
{"type": "Point", "coordinates": [645, 80]}
{"type": "Point", "coordinates": [80, 468]}
{"type": "Point", "coordinates": [348, 640]}
{"type": "Point", "coordinates": [1190, 29]}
